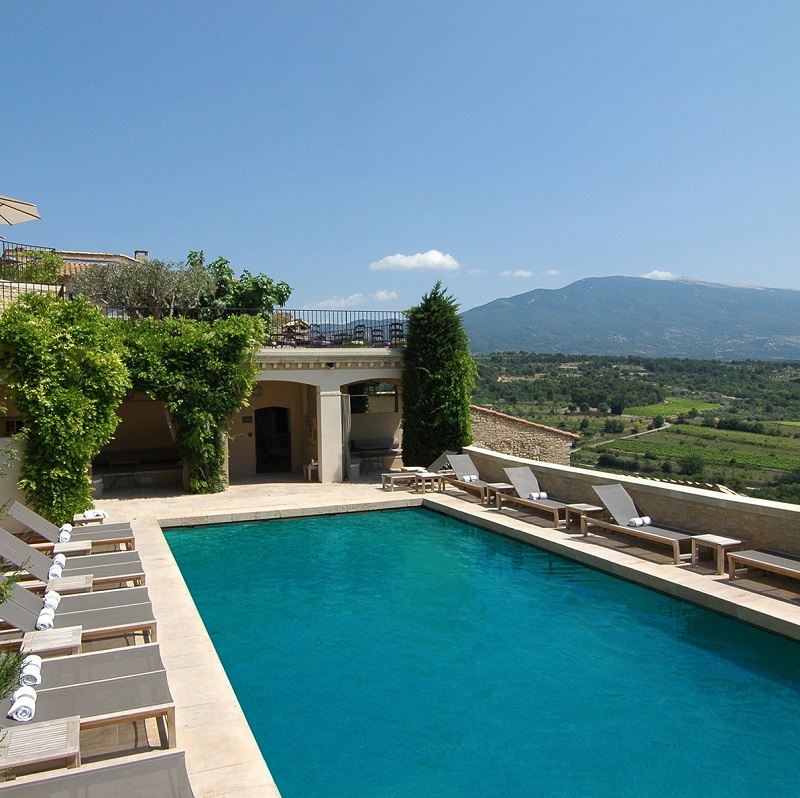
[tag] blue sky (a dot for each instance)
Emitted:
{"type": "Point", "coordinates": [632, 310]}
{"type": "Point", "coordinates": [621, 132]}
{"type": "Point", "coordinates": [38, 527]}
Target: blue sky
{"type": "Point", "coordinates": [361, 151]}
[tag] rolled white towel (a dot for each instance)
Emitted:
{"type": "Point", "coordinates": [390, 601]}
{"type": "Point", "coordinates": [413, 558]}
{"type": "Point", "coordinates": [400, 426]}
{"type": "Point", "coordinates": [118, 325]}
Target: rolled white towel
{"type": "Point", "coordinates": [31, 671]}
{"type": "Point", "coordinates": [59, 559]}
{"type": "Point", "coordinates": [95, 514]}
{"type": "Point", "coordinates": [65, 533]}
{"type": "Point", "coordinates": [646, 520]}
{"type": "Point", "coordinates": [470, 478]}
{"type": "Point", "coordinates": [51, 600]}
{"type": "Point", "coordinates": [55, 571]}
{"type": "Point", "coordinates": [636, 521]}
{"type": "Point", "coordinates": [535, 496]}
{"type": "Point", "coordinates": [23, 704]}
{"type": "Point", "coordinates": [46, 620]}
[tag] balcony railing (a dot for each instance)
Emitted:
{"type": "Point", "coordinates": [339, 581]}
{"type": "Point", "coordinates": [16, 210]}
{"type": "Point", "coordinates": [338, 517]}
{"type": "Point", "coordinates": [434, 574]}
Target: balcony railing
{"type": "Point", "coordinates": [21, 263]}
{"type": "Point", "coordinates": [338, 328]}
{"type": "Point", "coordinates": [304, 328]}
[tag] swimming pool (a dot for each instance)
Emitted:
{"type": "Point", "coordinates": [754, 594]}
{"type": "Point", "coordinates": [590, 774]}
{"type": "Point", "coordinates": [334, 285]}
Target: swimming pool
{"type": "Point", "coordinates": [405, 653]}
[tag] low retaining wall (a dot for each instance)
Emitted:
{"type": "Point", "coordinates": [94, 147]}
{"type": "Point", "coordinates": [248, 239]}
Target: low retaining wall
{"type": "Point", "coordinates": [518, 437]}
{"type": "Point", "coordinates": [760, 523]}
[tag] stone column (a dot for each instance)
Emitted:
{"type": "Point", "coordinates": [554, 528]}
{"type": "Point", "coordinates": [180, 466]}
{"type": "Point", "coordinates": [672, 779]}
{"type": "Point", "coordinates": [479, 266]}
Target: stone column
{"type": "Point", "coordinates": [329, 423]}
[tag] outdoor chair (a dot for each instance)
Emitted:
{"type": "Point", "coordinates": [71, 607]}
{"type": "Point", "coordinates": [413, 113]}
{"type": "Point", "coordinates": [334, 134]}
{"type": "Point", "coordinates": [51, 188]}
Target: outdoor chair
{"type": "Point", "coordinates": [117, 533]}
{"type": "Point", "coordinates": [628, 520]}
{"type": "Point", "coordinates": [108, 702]}
{"type": "Point", "coordinates": [159, 774]}
{"type": "Point", "coordinates": [529, 495]}
{"type": "Point", "coordinates": [413, 475]}
{"type": "Point", "coordinates": [465, 477]}
{"type": "Point", "coordinates": [20, 613]}
{"type": "Point", "coordinates": [105, 569]}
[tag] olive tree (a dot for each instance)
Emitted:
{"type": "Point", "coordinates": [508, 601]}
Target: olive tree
{"type": "Point", "coordinates": [438, 379]}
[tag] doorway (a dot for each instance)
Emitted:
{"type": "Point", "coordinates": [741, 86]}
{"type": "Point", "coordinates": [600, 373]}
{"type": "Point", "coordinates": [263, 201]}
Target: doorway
{"type": "Point", "coordinates": [273, 440]}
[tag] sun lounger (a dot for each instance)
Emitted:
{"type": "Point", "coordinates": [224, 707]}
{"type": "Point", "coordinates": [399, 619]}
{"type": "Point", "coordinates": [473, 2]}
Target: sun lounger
{"type": "Point", "coordinates": [465, 477]}
{"type": "Point", "coordinates": [624, 512]}
{"type": "Point", "coordinates": [81, 602]}
{"type": "Point", "coordinates": [97, 666]}
{"type": "Point", "coordinates": [95, 623]}
{"type": "Point", "coordinates": [775, 562]}
{"type": "Point", "coordinates": [410, 476]}
{"type": "Point", "coordinates": [528, 491]}
{"type": "Point", "coordinates": [112, 568]}
{"type": "Point", "coordinates": [159, 774]}
{"type": "Point", "coordinates": [108, 702]}
{"type": "Point", "coordinates": [117, 534]}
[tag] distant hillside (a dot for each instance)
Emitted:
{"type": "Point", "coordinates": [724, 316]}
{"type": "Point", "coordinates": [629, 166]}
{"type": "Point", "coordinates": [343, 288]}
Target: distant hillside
{"type": "Point", "coordinates": [636, 316]}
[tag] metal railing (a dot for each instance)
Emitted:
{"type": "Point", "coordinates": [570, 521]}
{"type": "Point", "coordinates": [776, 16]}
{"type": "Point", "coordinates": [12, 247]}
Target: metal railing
{"type": "Point", "coordinates": [338, 328]}
{"type": "Point", "coordinates": [21, 263]}
{"type": "Point", "coordinates": [302, 328]}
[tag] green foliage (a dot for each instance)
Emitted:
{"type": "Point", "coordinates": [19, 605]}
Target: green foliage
{"type": "Point", "coordinates": [438, 378]}
{"type": "Point", "coordinates": [203, 372]}
{"type": "Point", "coordinates": [32, 266]}
{"type": "Point", "coordinates": [614, 425]}
{"type": "Point", "coordinates": [258, 294]}
{"type": "Point", "coordinates": [151, 288]}
{"type": "Point", "coordinates": [66, 377]}
{"type": "Point", "coordinates": [10, 661]}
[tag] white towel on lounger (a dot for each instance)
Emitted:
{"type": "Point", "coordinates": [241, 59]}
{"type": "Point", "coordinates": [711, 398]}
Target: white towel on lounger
{"type": "Point", "coordinates": [65, 533]}
{"type": "Point", "coordinates": [23, 704]}
{"type": "Point", "coordinates": [95, 514]}
{"type": "Point", "coordinates": [535, 496]}
{"type": "Point", "coordinates": [46, 620]}
{"type": "Point", "coordinates": [55, 571]}
{"type": "Point", "coordinates": [31, 671]}
{"type": "Point", "coordinates": [51, 600]}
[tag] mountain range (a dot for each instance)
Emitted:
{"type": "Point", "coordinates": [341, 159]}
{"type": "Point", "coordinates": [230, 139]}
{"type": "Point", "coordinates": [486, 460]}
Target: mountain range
{"type": "Point", "coordinates": [640, 316]}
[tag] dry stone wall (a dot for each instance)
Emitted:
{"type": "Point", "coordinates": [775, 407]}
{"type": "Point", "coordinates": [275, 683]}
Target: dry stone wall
{"type": "Point", "coordinates": [518, 437]}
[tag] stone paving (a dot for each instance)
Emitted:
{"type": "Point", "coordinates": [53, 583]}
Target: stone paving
{"type": "Point", "coordinates": [222, 757]}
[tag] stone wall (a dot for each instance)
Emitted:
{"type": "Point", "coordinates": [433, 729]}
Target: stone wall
{"type": "Point", "coordinates": [520, 438]}
{"type": "Point", "coordinates": [758, 522]}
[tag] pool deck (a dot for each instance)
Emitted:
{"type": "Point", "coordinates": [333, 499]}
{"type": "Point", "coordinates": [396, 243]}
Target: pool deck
{"type": "Point", "coordinates": [222, 756]}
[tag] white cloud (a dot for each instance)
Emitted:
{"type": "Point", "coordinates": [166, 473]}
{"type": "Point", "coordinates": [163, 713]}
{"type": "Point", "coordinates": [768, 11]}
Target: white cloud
{"type": "Point", "coordinates": [477, 272]}
{"type": "Point", "coordinates": [553, 272]}
{"type": "Point", "coordinates": [432, 259]}
{"type": "Point", "coordinates": [354, 300]}
{"type": "Point", "coordinates": [659, 275]}
{"type": "Point", "coordinates": [517, 273]}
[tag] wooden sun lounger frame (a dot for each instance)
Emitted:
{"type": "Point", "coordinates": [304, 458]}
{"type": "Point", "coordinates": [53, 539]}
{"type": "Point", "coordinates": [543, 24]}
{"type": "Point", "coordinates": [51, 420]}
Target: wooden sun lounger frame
{"type": "Point", "coordinates": [655, 534]}
{"type": "Point", "coordinates": [783, 565]}
{"type": "Point", "coordinates": [547, 506]}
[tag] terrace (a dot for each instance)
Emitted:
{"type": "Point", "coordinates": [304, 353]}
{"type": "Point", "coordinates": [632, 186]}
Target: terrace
{"type": "Point", "coordinates": [220, 748]}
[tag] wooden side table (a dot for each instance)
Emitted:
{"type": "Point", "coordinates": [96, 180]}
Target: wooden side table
{"type": "Point", "coordinates": [718, 544]}
{"type": "Point", "coordinates": [30, 747]}
{"type": "Point", "coordinates": [494, 489]}
{"type": "Point", "coordinates": [575, 511]}
{"type": "Point", "coordinates": [53, 642]}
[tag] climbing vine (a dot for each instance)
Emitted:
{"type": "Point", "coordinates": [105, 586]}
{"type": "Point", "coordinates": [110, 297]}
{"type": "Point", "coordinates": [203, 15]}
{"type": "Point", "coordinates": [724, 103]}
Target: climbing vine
{"type": "Point", "coordinates": [203, 372]}
{"type": "Point", "coordinates": [65, 374]}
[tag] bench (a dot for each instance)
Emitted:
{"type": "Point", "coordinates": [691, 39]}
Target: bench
{"type": "Point", "coordinates": [373, 450]}
{"type": "Point", "coordinates": [764, 560]}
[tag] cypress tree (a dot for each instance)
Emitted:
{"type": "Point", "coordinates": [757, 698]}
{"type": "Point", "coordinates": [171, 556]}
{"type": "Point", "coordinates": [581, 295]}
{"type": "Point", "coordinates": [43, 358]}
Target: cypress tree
{"type": "Point", "coordinates": [438, 379]}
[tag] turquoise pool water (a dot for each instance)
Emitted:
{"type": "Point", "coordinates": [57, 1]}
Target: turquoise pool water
{"type": "Point", "coordinates": [405, 653]}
